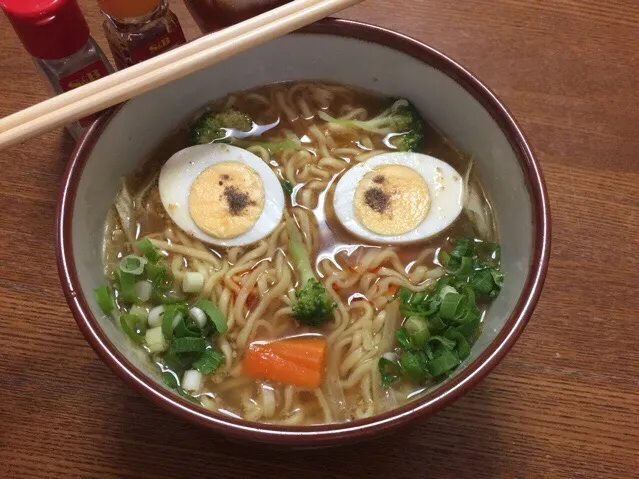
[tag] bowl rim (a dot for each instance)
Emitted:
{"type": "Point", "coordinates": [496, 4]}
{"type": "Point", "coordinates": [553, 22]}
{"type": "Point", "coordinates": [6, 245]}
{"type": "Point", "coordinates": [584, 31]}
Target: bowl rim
{"type": "Point", "coordinates": [334, 433]}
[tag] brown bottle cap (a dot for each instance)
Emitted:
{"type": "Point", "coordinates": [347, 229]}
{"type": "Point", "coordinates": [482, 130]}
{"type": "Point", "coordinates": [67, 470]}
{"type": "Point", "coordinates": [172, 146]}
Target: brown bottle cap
{"type": "Point", "coordinates": [128, 8]}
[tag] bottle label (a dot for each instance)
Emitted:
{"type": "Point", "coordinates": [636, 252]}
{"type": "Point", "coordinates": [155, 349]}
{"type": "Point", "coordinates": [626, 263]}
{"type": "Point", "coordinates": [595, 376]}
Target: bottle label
{"type": "Point", "coordinates": [89, 73]}
{"type": "Point", "coordinates": [172, 39]}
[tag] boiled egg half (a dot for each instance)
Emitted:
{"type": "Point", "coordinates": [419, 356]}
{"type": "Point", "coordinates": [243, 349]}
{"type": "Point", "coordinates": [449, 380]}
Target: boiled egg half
{"type": "Point", "coordinates": [221, 194]}
{"type": "Point", "coordinates": [399, 197]}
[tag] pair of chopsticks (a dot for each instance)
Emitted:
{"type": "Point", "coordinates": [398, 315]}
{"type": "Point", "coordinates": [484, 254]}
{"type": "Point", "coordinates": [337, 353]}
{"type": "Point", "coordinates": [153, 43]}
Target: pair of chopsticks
{"type": "Point", "coordinates": [177, 63]}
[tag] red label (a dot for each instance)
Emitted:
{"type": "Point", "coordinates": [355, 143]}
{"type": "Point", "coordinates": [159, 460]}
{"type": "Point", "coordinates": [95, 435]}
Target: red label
{"type": "Point", "coordinates": [157, 46]}
{"type": "Point", "coordinates": [88, 74]}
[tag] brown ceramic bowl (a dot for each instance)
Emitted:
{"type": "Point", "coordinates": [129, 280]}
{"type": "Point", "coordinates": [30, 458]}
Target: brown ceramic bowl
{"type": "Point", "coordinates": [351, 53]}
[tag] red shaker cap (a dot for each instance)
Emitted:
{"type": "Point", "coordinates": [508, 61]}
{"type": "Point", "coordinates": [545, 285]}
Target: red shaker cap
{"type": "Point", "coordinates": [48, 29]}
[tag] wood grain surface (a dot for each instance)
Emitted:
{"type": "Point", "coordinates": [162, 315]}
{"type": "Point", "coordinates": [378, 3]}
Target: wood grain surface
{"type": "Point", "coordinates": [565, 401]}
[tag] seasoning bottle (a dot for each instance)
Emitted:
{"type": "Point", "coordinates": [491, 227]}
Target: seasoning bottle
{"type": "Point", "coordinates": [56, 34]}
{"type": "Point", "coordinates": [211, 15]}
{"type": "Point", "coordinates": [139, 30]}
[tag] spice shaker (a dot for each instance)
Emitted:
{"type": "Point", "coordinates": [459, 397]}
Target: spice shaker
{"type": "Point", "coordinates": [139, 30]}
{"type": "Point", "coordinates": [56, 35]}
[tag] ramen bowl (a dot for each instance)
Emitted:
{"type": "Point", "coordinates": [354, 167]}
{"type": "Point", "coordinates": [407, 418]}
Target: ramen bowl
{"type": "Point", "coordinates": [351, 53]}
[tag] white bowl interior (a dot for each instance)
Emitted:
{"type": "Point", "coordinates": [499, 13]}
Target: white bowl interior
{"type": "Point", "coordinates": [139, 126]}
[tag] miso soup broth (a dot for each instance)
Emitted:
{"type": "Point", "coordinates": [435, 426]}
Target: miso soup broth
{"type": "Point", "coordinates": [310, 323]}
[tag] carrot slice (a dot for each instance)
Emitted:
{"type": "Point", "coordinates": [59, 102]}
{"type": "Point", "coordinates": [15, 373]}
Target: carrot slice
{"type": "Point", "coordinates": [308, 351]}
{"type": "Point", "coordinates": [296, 361]}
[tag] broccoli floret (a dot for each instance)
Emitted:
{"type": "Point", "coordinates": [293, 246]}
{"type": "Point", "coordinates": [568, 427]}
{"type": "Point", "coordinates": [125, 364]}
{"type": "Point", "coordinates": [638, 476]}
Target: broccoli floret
{"type": "Point", "coordinates": [411, 141]}
{"type": "Point", "coordinates": [219, 126]}
{"type": "Point", "coordinates": [314, 306]}
{"type": "Point", "coordinates": [401, 118]}
{"type": "Point", "coordinates": [223, 127]}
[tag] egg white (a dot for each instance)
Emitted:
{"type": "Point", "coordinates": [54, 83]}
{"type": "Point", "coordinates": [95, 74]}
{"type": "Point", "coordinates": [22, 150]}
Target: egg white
{"type": "Point", "coordinates": [445, 187]}
{"type": "Point", "coordinates": [181, 170]}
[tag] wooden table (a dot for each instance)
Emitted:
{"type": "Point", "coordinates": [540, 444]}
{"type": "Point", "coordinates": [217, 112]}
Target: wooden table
{"type": "Point", "coordinates": [564, 403]}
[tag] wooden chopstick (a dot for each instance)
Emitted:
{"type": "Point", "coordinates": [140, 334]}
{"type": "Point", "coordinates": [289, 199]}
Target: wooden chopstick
{"type": "Point", "coordinates": [163, 69]}
{"type": "Point", "coordinates": [160, 61]}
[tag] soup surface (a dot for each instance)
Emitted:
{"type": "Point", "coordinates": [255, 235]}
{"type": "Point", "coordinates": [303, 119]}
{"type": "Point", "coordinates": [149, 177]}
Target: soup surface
{"type": "Point", "coordinates": [397, 318]}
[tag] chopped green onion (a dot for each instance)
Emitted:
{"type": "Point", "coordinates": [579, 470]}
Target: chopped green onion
{"type": "Point", "coordinates": [155, 340]}
{"type": "Point", "coordinates": [443, 322]}
{"type": "Point", "coordinates": [193, 282]}
{"type": "Point", "coordinates": [469, 328]}
{"type": "Point", "coordinates": [463, 248]}
{"type": "Point", "coordinates": [413, 367]}
{"type": "Point", "coordinates": [287, 186]}
{"type": "Point", "coordinates": [143, 290]}
{"type": "Point", "coordinates": [466, 290]}
{"type": "Point", "coordinates": [403, 339]}
{"type": "Point", "coordinates": [214, 314]}
{"type": "Point", "coordinates": [140, 312]}
{"type": "Point", "coordinates": [404, 295]}
{"type": "Point", "coordinates": [389, 371]}
{"type": "Point", "coordinates": [192, 380]}
{"type": "Point", "coordinates": [210, 360]}
{"type": "Point", "coordinates": [461, 268]}
{"type": "Point", "coordinates": [498, 277]}
{"type": "Point", "coordinates": [443, 363]}
{"type": "Point", "coordinates": [463, 348]}
{"type": "Point", "coordinates": [156, 272]}
{"type": "Point", "coordinates": [446, 289]}
{"type": "Point", "coordinates": [133, 264]}
{"type": "Point", "coordinates": [170, 379]}
{"type": "Point", "coordinates": [435, 324]}
{"type": "Point", "coordinates": [175, 363]}
{"type": "Point", "coordinates": [451, 305]}
{"type": "Point", "coordinates": [149, 251]}
{"type": "Point", "coordinates": [198, 317]}
{"type": "Point", "coordinates": [168, 316]}
{"type": "Point", "coordinates": [482, 281]}
{"type": "Point", "coordinates": [488, 252]}
{"type": "Point", "coordinates": [184, 330]}
{"type": "Point", "coordinates": [104, 297]}
{"type": "Point", "coordinates": [418, 330]}
{"type": "Point", "coordinates": [126, 286]}
{"type": "Point", "coordinates": [126, 320]}
{"type": "Point", "coordinates": [416, 298]}
{"type": "Point", "coordinates": [187, 345]}
{"type": "Point", "coordinates": [446, 343]}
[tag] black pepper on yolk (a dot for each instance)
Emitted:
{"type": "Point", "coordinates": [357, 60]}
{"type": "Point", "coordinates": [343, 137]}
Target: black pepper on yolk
{"type": "Point", "coordinates": [226, 199]}
{"type": "Point", "coordinates": [391, 200]}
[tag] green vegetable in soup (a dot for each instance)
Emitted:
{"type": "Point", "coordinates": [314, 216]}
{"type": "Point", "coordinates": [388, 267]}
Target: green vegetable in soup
{"type": "Point", "coordinates": [210, 360]}
{"type": "Point", "coordinates": [314, 306]}
{"type": "Point", "coordinates": [133, 327]}
{"type": "Point", "coordinates": [401, 121]}
{"type": "Point", "coordinates": [172, 382]}
{"type": "Point", "coordinates": [389, 371]}
{"type": "Point", "coordinates": [232, 126]}
{"type": "Point", "coordinates": [149, 251]}
{"type": "Point", "coordinates": [104, 297]}
{"type": "Point", "coordinates": [179, 343]}
{"type": "Point", "coordinates": [218, 126]}
{"type": "Point", "coordinates": [213, 314]}
{"type": "Point", "coordinates": [287, 186]}
{"type": "Point", "coordinates": [442, 323]}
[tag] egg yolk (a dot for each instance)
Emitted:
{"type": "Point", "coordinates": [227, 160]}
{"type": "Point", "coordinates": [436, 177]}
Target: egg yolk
{"type": "Point", "coordinates": [392, 200]}
{"type": "Point", "coordinates": [226, 199]}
